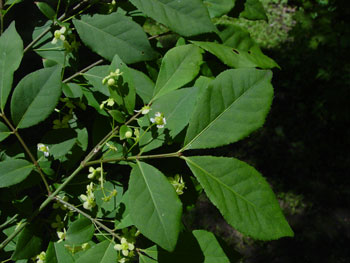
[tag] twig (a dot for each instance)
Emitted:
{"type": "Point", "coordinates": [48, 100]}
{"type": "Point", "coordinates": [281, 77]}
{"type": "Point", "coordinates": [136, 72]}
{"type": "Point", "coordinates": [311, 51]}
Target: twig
{"type": "Point", "coordinates": [72, 207]}
{"type": "Point", "coordinates": [83, 70]}
{"type": "Point", "coordinates": [138, 157]}
{"type": "Point", "coordinates": [14, 130]}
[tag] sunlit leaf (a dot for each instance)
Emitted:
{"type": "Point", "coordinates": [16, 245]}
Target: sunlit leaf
{"type": "Point", "coordinates": [185, 17]}
{"type": "Point", "coordinates": [242, 195]}
{"type": "Point", "coordinates": [234, 105]}
{"type": "Point", "coordinates": [211, 248]}
{"type": "Point", "coordinates": [179, 66]}
{"type": "Point", "coordinates": [218, 8]}
{"type": "Point", "coordinates": [116, 34]}
{"type": "Point", "coordinates": [36, 96]}
{"type": "Point", "coordinates": [236, 58]}
{"type": "Point", "coordinates": [152, 197]}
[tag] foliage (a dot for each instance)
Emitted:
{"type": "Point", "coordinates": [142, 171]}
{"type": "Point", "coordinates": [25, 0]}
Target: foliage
{"type": "Point", "coordinates": [76, 183]}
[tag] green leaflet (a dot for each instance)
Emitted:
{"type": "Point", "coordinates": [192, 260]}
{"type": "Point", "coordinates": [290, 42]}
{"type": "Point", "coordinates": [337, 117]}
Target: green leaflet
{"type": "Point", "coordinates": [102, 253]}
{"type": "Point", "coordinates": [56, 252]}
{"type": "Point", "coordinates": [234, 105]}
{"type": "Point", "coordinates": [4, 131]}
{"type": "Point", "coordinates": [28, 244]}
{"type": "Point", "coordinates": [211, 248]}
{"type": "Point", "coordinates": [155, 208]}
{"type": "Point", "coordinates": [80, 231]}
{"type": "Point", "coordinates": [144, 86]}
{"type": "Point", "coordinates": [236, 58]}
{"type": "Point", "coordinates": [242, 195]}
{"type": "Point", "coordinates": [253, 10]}
{"type": "Point", "coordinates": [95, 77]}
{"type": "Point", "coordinates": [11, 54]}
{"type": "Point", "coordinates": [184, 17]}
{"type": "Point", "coordinates": [46, 10]}
{"type": "Point", "coordinates": [36, 96]}
{"type": "Point", "coordinates": [237, 37]}
{"type": "Point", "coordinates": [218, 8]}
{"type": "Point", "coordinates": [179, 66]}
{"type": "Point", "coordinates": [14, 171]}
{"type": "Point", "coordinates": [124, 94]}
{"type": "Point", "coordinates": [116, 34]}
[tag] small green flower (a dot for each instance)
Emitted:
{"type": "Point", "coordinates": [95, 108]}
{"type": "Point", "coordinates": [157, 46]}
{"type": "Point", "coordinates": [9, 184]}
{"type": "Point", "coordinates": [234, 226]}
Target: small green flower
{"type": "Point", "coordinates": [144, 110]}
{"type": "Point", "coordinates": [59, 35]}
{"type": "Point", "coordinates": [41, 257]}
{"type": "Point", "coordinates": [94, 172]}
{"type": "Point", "coordinates": [125, 247]}
{"type": "Point", "coordinates": [43, 148]}
{"type": "Point", "coordinates": [89, 198]}
{"type": "Point", "coordinates": [178, 184]}
{"type": "Point", "coordinates": [159, 120]}
{"type": "Point", "coordinates": [110, 102]}
{"type": "Point", "coordinates": [61, 235]}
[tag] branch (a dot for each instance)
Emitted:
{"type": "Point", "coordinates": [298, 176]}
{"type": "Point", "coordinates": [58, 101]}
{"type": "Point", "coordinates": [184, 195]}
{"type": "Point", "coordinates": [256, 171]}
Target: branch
{"type": "Point", "coordinates": [93, 220]}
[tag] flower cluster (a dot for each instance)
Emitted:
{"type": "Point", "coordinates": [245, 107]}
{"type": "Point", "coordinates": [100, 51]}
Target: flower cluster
{"type": "Point", "coordinates": [110, 102]}
{"type": "Point", "coordinates": [111, 79]}
{"type": "Point", "coordinates": [125, 247]}
{"type": "Point", "coordinates": [159, 120]}
{"type": "Point", "coordinates": [178, 184]}
{"type": "Point", "coordinates": [89, 198]}
{"type": "Point", "coordinates": [59, 35]}
{"type": "Point", "coordinates": [94, 172]}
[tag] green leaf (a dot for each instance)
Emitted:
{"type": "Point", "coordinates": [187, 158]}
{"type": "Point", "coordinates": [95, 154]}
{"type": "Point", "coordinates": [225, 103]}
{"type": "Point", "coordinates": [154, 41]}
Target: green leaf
{"type": "Point", "coordinates": [184, 17]}
{"type": "Point", "coordinates": [117, 115]}
{"type": "Point", "coordinates": [4, 131]}
{"type": "Point", "coordinates": [211, 248]}
{"type": "Point", "coordinates": [60, 141]}
{"type": "Point", "coordinates": [218, 8]}
{"type": "Point", "coordinates": [179, 66]}
{"type": "Point", "coordinates": [176, 107]}
{"type": "Point", "coordinates": [153, 198]}
{"type": "Point", "coordinates": [116, 34]}
{"type": "Point", "coordinates": [253, 10]}
{"type": "Point", "coordinates": [80, 231]}
{"type": "Point", "coordinates": [14, 171]}
{"type": "Point", "coordinates": [144, 86]}
{"type": "Point", "coordinates": [237, 37]}
{"type": "Point", "coordinates": [242, 195]}
{"type": "Point", "coordinates": [236, 58]}
{"type": "Point", "coordinates": [36, 96]}
{"type": "Point", "coordinates": [101, 253]}
{"type": "Point", "coordinates": [124, 94]}
{"type": "Point", "coordinates": [108, 209]}
{"type": "Point", "coordinates": [234, 105]}
{"type": "Point", "coordinates": [72, 90]}
{"type": "Point", "coordinates": [52, 54]}
{"type": "Point", "coordinates": [61, 254]}
{"type": "Point", "coordinates": [28, 244]}
{"type": "Point", "coordinates": [51, 253]}
{"type": "Point", "coordinates": [46, 9]}
{"type": "Point", "coordinates": [11, 54]}
{"type": "Point", "coordinates": [95, 76]}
